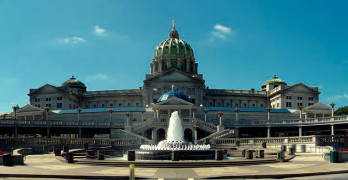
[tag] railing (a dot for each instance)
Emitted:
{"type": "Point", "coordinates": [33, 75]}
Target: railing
{"type": "Point", "coordinates": [206, 125]}
{"type": "Point", "coordinates": [296, 122]}
{"type": "Point", "coordinates": [56, 123]}
{"type": "Point", "coordinates": [66, 141]}
{"type": "Point", "coordinates": [215, 135]}
{"type": "Point", "coordinates": [133, 135]}
{"type": "Point", "coordinates": [143, 125]}
{"type": "Point", "coordinates": [209, 126]}
{"type": "Point", "coordinates": [258, 141]}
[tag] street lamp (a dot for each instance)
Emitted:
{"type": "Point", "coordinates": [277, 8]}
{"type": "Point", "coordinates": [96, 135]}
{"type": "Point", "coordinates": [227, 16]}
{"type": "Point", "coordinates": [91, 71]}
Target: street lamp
{"type": "Point", "coordinates": [300, 108]}
{"type": "Point", "coordinates": [128, 115]}
{"type": "Point", "coordinates": [205, 114]}
{"type": "Point", "coordinates": [237, 110]}
{"type": "Point", "coordinates": [47, 109]}
{"type": "Point", "coordinates": [152, 127]}
{"type": "Point", "coordinates": [111, 111]}
{"type": "Point", "coordinates": [220, 114]}
{"type": "Point", "coordinates": [154, 112]}
{"type": "Point", "coordinates": [78, 113]}
{"type": "Point", "coordinates": [332, 108]}
{"type": "Point", "coordinates": [142, 114]}
{"type": "Point", "coordinates": [268, 112]}
{"type": "Point", "coordinates": [194, 108]}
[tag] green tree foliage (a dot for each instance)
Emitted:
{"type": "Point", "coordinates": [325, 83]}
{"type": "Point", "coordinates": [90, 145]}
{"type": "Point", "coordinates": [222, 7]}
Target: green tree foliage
{"type": "Point", "coordinates": [341, 111]}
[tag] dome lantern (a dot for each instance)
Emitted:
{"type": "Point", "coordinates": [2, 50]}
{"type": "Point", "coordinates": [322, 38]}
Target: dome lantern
{"type": "Point", "coordinates": [272, 83]}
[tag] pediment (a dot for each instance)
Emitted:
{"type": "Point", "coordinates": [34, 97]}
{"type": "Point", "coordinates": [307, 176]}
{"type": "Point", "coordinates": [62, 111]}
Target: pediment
{"type": "Point", "coordinates": [318, 106]}
{"type": "Point", "coordinates": [175, 75]}
{"type": "Point", "coordinates": [30, 108]}
{"type": "Point", "coordinates": [46, 89]}
{"type": "Point", "coordinates": [301, 88]}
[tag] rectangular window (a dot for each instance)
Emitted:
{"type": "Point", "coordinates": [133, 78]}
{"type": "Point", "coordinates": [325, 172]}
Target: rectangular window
{"type": "Point", "coordinates": [59, 98]}
{"type": "Point", "coordinates": [288, 104]}
{"type": "Point", "coordinates": [310, 98]}
{"type": "Point", "coordinates": [299, 98]}
{"type": "Point", "coordinates": [309, 104]}
{"type": "Point", "coordinates": [299, 104]}
{"type": "Point", "coordinates": [288, 97]}
{"type": "Point", "coordinates": [48, 105]}
{"type": "Point", "coordinates": [59, 105]}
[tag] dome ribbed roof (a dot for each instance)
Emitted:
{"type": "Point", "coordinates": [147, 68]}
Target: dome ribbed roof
{"type": "Point", "coordinates": [275, 80]}
{"type": "Point", "coordinates": [173, 46]}
{"type": "Point", "coordinates": [75, 83]}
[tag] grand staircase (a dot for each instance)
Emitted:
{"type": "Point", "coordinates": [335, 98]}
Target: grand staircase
{"type": "Point", "coordinates": [206, 126]}
{"type": "Point", "coordinates": [142, 126]}
{"type": "Point", "coordinates": [126, 134]}
{"type": "Point", "coordinates": [216, 135]}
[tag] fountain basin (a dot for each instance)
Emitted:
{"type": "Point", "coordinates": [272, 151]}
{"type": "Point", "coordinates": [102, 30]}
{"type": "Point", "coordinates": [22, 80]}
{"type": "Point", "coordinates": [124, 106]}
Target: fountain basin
{"type": "Point", "coordinates": [174, 155]}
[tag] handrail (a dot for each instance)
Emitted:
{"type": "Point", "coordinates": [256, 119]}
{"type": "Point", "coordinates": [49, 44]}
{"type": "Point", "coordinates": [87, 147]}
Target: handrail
{"type": "Point", "coordinates": [215, 135]}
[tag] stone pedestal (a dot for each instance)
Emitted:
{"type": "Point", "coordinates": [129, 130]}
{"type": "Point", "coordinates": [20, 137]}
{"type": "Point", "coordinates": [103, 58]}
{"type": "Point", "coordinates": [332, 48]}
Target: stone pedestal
{"type": "Point", "coordinates": [260, 153]}
{"type": "Point", "coordinates": [248, 154]}
{"type": "Point", "coordinates": [131, 155]}
{"type": "Point", "coordinates": [219, 155]}
{"type": "Point", "coordinates": [175, 156]}
{"type": "Point", "coordinates": [70, 157]}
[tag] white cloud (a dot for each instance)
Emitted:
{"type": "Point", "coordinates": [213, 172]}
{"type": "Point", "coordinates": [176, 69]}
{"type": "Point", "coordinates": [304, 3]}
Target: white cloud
{"type": "Point", "coordinates": [71, 40]}
{"type": "Point", "coordinates": [100, 31]}
{"type": "Point", "coordinates": [96, 77]}
{"type": "Point", "coordinates": [221, 32]}
{"type": "Point", "coordinates": [338, 97]}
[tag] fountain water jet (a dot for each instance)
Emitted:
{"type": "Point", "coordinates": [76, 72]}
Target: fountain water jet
{"type": "Point", "coordinates": [175, 147]}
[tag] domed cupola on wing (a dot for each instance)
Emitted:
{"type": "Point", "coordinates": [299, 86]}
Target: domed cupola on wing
{"type": "Point", "coordinates": [174, 53]}
{"type": "Point", "coordinates": [75, 84]}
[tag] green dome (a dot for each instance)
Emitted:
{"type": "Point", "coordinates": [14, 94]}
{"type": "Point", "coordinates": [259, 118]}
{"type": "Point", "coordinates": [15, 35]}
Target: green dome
{"type": "Point", "coordinates": [75, 83]}
{"type": "Point", "coordinates": [174, 46]}
{"type": "Point", "coordinates": [275, 80]}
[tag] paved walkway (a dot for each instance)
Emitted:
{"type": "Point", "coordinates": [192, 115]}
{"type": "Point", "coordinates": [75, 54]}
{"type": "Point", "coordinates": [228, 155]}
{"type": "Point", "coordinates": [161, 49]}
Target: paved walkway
{"type": "Point", "coordinates": [301, 164]}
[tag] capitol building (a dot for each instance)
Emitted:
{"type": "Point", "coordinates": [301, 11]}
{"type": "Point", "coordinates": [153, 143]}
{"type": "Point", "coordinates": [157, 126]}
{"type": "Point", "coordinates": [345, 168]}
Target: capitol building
{"type": "Point", "coordinates": [173, 84]}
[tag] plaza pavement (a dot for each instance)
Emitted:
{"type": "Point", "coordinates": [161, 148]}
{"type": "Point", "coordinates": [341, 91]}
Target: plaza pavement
{"type": "Point", "coordinates": [48, 165]}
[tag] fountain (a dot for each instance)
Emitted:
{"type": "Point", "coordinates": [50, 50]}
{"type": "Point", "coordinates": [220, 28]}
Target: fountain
{"type": "Point", "coordinates": [174, 147]}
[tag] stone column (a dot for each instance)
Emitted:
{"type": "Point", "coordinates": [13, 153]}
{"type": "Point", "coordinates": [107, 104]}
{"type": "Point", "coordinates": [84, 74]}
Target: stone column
{"type": "Point", "coordinates": [332, 129]}
{"type": "Point", "coordinates": [48, 132]}
{"type": "Point", "coordinates": [300, 131]}
{"type": "Point", "coordinates": [268, 132]}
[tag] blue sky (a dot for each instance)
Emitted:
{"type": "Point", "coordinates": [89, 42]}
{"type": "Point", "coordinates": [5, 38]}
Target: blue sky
{"type": "Point", "coordinates": [110, 44]}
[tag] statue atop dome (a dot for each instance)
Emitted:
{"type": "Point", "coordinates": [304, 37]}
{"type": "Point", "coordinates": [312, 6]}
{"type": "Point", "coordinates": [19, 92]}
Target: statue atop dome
{"type": "Point", "coordinates": [174, 33]}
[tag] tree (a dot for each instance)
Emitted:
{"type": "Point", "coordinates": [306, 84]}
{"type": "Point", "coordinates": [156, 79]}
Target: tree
{"type": "Point", "coordinates": [341, 111]}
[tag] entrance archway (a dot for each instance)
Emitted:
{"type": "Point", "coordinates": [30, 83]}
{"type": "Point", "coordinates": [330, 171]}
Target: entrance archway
{"type": "Point", "coordinates": [161, 135]}
{"type": "Point", "coordinates": [188, 135]}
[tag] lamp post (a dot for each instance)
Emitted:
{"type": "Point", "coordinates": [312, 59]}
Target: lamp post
{"type": "Point", "coordinates": [78, 113]}
{"type": "Point", "coordinates": [220, 114]}
{"type": "Point", "coordinates": [154, 112]}
{"type": "Point", "coordinates": [194, 108]}
{"type": "Point", "coordinates": [142, 114]}
{"type": "Point", "coordinates": [205, 114]}
{"type": "Point", "coordinates": [15, 108]}
{"type": "Point", "coordinates": [332, 108]}
{"type": "Point", "coordinates": [47, 109]}
{"type": "Point", "coordinates": [152, 127]}
{"type": "Point", "coordinates": [268, 112]}
{"type": "Point", "coordinates": [237, 110]}
{"type": "Point", "coordinates": [300, 108]}
{"type": "Point", "coordinates": [110, 118]}
{"type": "Point", "coordinates": [128, 115]}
